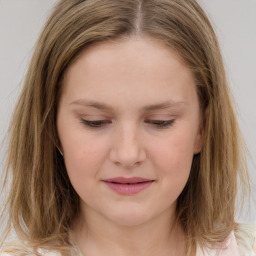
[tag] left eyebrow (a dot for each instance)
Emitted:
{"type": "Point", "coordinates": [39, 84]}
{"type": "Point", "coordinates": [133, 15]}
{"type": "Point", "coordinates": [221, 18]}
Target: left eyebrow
{"type": "Point", "coordinates": [164, 105]}
{"type": "Point", "coordinates": [102, 106]}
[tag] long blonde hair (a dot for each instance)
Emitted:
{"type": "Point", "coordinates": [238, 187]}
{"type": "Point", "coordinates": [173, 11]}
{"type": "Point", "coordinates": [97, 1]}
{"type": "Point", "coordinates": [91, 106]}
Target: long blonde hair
{"type": "Point", "coordinates": [42, 202]}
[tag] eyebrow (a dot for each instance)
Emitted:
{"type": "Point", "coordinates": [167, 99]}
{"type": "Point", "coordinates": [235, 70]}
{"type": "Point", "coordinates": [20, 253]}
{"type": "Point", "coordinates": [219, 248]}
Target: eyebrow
{"type": "Point", "coordinates": [102, 106]}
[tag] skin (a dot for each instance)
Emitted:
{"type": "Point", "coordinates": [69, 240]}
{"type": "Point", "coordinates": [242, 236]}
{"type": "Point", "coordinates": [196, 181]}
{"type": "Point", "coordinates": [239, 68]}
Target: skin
{"type": "Point", "coordinates": [127, 75]}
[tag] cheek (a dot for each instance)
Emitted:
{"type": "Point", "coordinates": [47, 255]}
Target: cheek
{"type": "Point", "coordinates": [173, 163]}
{"type": "Point", "coordinates": [173, 157]}
{"type": "Point", "coordinates": [83, 165]}
{"type": "Point", "coordinates": [83, 157]}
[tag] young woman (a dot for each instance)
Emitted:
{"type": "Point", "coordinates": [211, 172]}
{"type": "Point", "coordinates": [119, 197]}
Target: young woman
{"type": "Point", "coordinates": [124, 140]}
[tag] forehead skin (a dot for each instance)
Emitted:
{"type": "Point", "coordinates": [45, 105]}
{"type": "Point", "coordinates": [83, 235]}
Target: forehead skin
{"type": "Point", "coordinates": [98, 61]}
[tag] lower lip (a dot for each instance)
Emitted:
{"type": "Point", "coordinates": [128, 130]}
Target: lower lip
{"type": "Point", "coordinates": [128, 189]}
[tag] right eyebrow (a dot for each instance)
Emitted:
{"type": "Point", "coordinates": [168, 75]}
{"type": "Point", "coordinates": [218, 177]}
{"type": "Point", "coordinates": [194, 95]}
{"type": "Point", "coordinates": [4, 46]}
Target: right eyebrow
{"type": "Point", "coordinates": [94, 104]}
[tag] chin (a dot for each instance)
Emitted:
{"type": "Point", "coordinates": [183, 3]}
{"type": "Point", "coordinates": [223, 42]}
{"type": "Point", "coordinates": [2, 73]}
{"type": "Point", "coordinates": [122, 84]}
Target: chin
{"type": "Point", "coordinates": [129, 217]}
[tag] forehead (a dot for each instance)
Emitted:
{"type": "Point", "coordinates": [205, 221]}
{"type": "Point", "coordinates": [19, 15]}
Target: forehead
{"type": "Point", "coordinates": [139, 68]}
{"type": "Point", "coordinates": [142, 51]}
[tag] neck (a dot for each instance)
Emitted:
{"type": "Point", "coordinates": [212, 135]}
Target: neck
{"type": "Point", "coordinates": [95, 235]}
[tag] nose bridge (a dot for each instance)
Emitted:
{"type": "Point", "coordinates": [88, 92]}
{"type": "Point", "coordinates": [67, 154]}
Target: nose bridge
{"type": "Point", "coordinates": [127, 148]}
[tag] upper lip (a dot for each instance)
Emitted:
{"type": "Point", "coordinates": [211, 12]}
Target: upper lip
{"type": "Point", "coordinates": [127, 180]}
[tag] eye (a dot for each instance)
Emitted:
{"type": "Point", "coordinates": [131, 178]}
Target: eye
{"type": "Point", "coordinates": [161, 124]}
{"type": "Point", "coordinates": [95, 123]}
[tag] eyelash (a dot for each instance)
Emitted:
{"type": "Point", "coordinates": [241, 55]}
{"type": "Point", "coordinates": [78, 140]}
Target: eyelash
{"type": "Point", "coordinates": [160, 124]}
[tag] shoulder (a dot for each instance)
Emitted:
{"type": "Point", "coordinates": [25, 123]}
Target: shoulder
{"type": "Point", "coordinates": [245, 234]}
{"type": "Point", "coordinates": [241, 242]}
{"type": "Point", "coordinates": [41, 252]}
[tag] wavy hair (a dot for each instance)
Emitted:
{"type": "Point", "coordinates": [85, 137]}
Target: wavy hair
{"type": "Point", "coordinates": [42, 202]}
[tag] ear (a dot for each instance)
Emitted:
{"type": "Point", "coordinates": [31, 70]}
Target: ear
{"type": "Point", "coordinates": [199, 140]}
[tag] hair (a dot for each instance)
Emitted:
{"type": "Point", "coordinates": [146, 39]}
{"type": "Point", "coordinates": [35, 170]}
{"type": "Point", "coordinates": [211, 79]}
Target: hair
{"type": "Point", "coordinates": [42, 202]}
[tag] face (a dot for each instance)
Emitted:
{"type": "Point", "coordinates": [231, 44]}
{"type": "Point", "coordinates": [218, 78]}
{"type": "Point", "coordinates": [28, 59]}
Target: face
{"type": "Point", "coordinates": [129, 109]}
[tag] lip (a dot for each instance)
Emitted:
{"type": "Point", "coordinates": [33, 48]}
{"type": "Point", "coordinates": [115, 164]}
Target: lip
{"type": "Point", "coordinates": [127, 180]}
{"type": "Point", "coordinates": [128, 186]}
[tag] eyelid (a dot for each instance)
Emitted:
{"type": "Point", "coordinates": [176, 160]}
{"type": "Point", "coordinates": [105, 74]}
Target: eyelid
{"type": "Point", "coordinates": [159, 124]}
{"type": "Point", "coordinates": [95, 123]}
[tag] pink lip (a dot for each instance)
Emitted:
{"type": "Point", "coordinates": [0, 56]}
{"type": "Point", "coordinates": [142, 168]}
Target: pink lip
{"type": "Point", "coordinates": [128, 186]}
{"type": "Point", "coordinates": [127, 180]}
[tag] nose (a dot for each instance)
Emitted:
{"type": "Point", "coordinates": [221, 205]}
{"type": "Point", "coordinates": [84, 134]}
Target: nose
{"type": "Point", "coordinates": [126, 149]}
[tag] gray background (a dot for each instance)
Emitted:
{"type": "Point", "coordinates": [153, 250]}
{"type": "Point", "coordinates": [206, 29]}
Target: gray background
{"type": "Point", "coordinates": [233, 20]}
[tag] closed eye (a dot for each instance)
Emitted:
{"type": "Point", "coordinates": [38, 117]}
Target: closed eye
{"type": "Point", "coordinates": [95, 123]}
{"type": "Point", "coordinates": [161, 124]}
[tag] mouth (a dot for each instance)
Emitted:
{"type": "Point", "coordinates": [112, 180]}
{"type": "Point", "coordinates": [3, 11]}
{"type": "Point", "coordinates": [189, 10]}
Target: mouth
{"type": "Point", "coordinates": [128, 186]}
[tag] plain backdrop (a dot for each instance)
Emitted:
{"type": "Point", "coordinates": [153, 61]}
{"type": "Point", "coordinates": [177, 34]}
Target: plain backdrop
{"type": "Point", "coordinates": [233, 20]}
